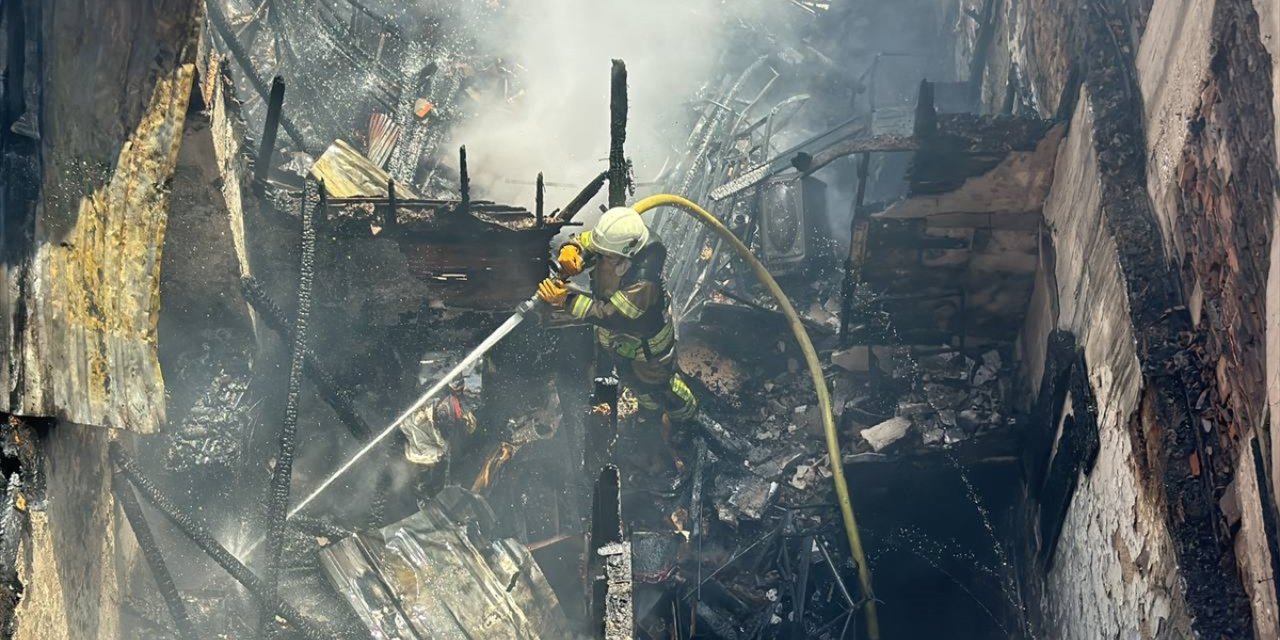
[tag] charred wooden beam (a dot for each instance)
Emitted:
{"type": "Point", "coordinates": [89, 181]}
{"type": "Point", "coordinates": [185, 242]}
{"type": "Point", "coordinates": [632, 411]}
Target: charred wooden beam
{"type": "Point", "coordinates": [981, 49]}
{"type": "Point", "coordinates": [579, 201]}
{"type": "Point", "coordinates": [1068, 444]}
{"type": "Point", "coordinates": [800, 592]}
{"type": "Point", "coordinates": [278, 505]}
{"type": "Point", "coordinates": [606, 552]}
{"type": "Point", "coordinates": [318, 527]}
{"type": "Point", "coordinates": [619, 610]}
{"type": "Point", "coordinates": [926, 120]}
{"type": "Point", "coordinates": [199, 534]}
{"type": "Point", "coordinates": [699, 481]}
{"type": "Point", "coordinates": [242, 58]}
{"type": "Point", "coordinates": [328, 387]}
{"type": "Point", "coordinates": [933, 172]}
{"type": "Point", "coordinates": [1010, 93]}
{"type": "Point", "coordinates": [388, 25]}
{"type": "Point", "coordinates": [601, 427]}
{"type": "Point", "coordinates": [151, 553]}
{"type": "Point", "coordinates": [464, 181]}
{"type": "Point", "coordinates": [389, 222]}
{"type": "Point", "coordinates": [619, 184]}
{"type": "Point", "coordinates": [539, 199]}
{"type": "Point", "coordinates": [267, 149]}
{"type": "Point", "coordinates": [857, 251]}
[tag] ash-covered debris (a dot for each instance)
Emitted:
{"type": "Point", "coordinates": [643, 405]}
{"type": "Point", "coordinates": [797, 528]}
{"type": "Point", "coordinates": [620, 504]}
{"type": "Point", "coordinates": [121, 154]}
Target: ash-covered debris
{"type": "Point", "coordinates": [737, 547]}
{"type": "Point", "coordinates": [762, 525]}
{"type": "Point", "coordinates": [442, 573]}
{"type": "Point", "coordinates": [742, 496]}
{"type": "Point", "coordinates": [214, 431]}
{"type": "Point", "coordinates": [953, 397]}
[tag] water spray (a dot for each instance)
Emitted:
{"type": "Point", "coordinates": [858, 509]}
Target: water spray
{"type": "Point", "coordinates": [797, 327]}
{"type": "Point", "coordinates": [466, 363]}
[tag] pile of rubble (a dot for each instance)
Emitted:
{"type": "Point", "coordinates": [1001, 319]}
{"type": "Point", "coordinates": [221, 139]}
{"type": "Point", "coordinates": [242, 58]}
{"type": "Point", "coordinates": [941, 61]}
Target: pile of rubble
{"type": "Point", "coordinates": [950, 396]}
{"type": "Point", "coordinates": [214, 430]}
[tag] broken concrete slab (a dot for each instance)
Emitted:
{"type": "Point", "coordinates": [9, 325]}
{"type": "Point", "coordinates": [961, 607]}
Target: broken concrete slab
{"type": "Point", "coordinates": [886, 433]}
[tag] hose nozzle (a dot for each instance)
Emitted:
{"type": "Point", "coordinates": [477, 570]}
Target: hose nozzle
{"type": "Point", "coordinates": [528, 305]}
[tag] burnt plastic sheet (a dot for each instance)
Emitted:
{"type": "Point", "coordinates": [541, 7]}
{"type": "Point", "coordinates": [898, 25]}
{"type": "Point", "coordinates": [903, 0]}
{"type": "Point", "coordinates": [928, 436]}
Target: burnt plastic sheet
{"type": "Point", "coordinates": [436, 575]}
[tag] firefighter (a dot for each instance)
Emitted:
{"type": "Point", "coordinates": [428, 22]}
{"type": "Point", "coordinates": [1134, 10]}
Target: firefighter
{"type": "Point", "coordinates": [628, 308]}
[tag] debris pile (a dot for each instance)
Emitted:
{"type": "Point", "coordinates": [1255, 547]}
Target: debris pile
{"type": "Point", "coordinates": [442, 573]}
{"type": "Point", "coordinates": [214, 430]}
{"type": "Point", "coordinates": [949, 397]}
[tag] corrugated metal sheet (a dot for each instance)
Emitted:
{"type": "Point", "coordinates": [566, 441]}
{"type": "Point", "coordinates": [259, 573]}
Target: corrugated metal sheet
{"type": "Point", "coordinates": [347, 173]}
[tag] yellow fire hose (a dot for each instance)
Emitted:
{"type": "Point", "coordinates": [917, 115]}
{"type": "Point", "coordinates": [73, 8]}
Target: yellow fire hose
{"type": "Point", "coordinates": [815, 371]}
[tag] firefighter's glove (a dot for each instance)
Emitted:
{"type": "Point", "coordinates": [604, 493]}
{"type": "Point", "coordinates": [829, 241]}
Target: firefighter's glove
{"type": "Point", "coordinates": [553, 292]}
{"type": "Point", "coordinates": [570, 260]}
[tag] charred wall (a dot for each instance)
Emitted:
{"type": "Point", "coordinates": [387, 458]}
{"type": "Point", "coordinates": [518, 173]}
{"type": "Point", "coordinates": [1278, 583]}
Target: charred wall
{"type": "Point", "coordinates": [1224, 221]}
{"type": "Point", "coordinates": [1112, 515]}
{"type": "Point", "coordinates": [105, 94]}
{"type": "Point", "coordinates": [1269, 30]}
{"type": "Point", "coordinates": [114, 79]}
{"type": "Point", "coordinates": [1158, 229]}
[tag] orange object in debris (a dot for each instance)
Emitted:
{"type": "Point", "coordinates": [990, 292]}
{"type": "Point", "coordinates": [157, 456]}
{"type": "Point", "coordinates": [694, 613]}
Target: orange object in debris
{"type": "Point", "coordinates": [500, 455]}
{"type": "Point", "coordinates": [422, 107]}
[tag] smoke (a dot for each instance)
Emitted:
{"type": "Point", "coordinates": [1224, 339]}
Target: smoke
{"type": "Point", "coordinates": [558, 123]}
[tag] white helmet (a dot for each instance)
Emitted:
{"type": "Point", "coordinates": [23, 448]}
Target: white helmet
{"type": "Point", "coordinates": [620, 232]}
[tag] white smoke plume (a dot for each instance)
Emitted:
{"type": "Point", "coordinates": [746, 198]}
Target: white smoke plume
{"type": "Point", "coordinates": [560, 124]}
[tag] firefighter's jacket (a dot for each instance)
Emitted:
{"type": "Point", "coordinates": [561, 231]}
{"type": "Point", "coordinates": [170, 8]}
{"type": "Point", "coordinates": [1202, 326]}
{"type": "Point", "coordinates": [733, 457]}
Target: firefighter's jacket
{"type": "Point", "coordinates": [629, 309]}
